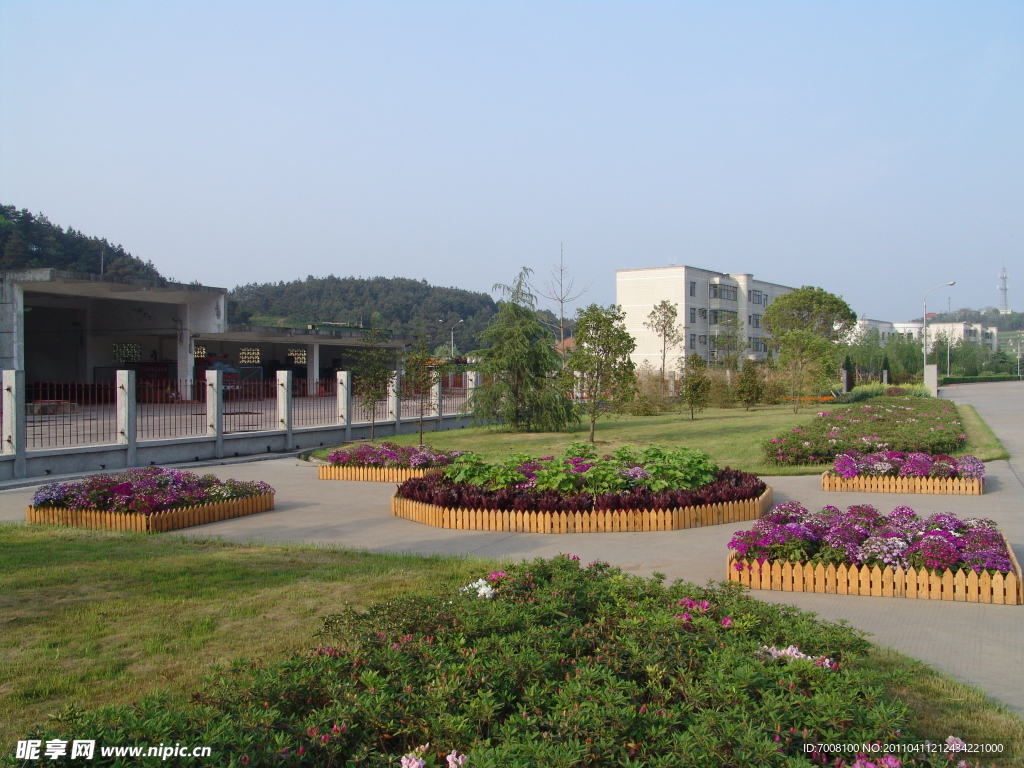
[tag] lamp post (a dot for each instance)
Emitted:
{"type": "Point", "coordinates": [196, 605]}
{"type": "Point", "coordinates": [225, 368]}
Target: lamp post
{"type": "Point", "coordinates": [924, 320]}
{"type": "Point", "coordinates": [453, 338]}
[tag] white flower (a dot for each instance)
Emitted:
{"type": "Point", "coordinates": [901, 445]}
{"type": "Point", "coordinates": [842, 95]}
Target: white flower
{"type": "Point", "coordinates": [482, 588]}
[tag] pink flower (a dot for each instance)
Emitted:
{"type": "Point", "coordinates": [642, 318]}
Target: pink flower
{"type": "Point", "coordinates": [727, 621]}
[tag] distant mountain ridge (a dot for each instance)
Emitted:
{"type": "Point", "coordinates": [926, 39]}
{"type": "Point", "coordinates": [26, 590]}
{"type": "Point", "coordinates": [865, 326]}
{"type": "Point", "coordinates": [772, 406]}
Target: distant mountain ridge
{"type": "Point", "coordinates": [409, 307]}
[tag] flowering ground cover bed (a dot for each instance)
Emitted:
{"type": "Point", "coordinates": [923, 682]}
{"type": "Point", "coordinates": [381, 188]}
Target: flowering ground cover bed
{"type": "Point", "coordinates": [861, 551]}
{"type": "Point", "coordinates": [544, 663]}
{"type": "Point", "coordinates": [896, 472]}
{"type": "Point", "coordinates": [903, 424]}
{"type": "Point", "coordinates": [147, 499]}
{"type": "Point", "coordinates": [384, 463]}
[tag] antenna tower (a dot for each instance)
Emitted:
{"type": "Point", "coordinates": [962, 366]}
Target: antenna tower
{"type": "Point", "coordinates": [1004, 308]}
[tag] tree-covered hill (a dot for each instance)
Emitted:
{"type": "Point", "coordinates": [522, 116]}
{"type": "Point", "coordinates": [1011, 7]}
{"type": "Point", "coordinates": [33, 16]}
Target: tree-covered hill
{"type": "Point", "coordinates": [411, 307]}
{"type": "Point", "coordinates": [28, 241]}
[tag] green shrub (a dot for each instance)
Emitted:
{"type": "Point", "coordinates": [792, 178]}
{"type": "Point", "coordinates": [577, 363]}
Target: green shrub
{"type": "Point", "coordinates": [547, 664]}
{"type": "Point", "coordinates": [876, 389]}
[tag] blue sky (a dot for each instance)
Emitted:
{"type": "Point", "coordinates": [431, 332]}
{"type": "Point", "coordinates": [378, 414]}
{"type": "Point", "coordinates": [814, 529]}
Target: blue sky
{"type": "Point", "coordinates": [874, 149]}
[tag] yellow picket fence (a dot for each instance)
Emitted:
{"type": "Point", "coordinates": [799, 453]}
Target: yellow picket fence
{"type": "Point", "coordinates": [618, 521]}
{"type": "Point", "coordinates": [374, 474]}
{"type": "Point", "coordinates": [171, 520]}
{"type": "Point", "coordinates": [961, 486]}
{"type": "Point", "coordinates": [922, 584]}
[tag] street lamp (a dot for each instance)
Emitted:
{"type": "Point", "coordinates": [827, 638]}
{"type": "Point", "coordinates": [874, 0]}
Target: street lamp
{"type": "Point", "coordinates": [924, 320]}
{"type": "Point", "coordinates": [453, 338]}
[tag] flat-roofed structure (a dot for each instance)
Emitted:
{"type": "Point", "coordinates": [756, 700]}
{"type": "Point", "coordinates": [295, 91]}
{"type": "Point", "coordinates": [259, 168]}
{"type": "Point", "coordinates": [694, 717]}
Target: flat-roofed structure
{"type": "Point", "coordinates": [703, 298]}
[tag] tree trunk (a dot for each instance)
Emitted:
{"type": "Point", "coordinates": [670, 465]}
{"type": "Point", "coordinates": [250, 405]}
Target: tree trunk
{"type": "Point", "coordinates": [593, 421]}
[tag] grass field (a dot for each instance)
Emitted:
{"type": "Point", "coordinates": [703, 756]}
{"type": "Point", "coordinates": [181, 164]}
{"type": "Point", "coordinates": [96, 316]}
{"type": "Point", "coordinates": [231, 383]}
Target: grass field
{"type": "Point", "coordinates": [732, 436]}
{"type": "Point", "coordinates": [93, 618]}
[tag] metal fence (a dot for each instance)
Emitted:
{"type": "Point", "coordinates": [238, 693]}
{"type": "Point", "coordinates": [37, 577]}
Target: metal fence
{"type": "Point", "coordinates": [314, 402]}
{"type": "Point", "coordinates": [170, 408]}
{"type": "Point", "coordinates": [453, 400]}
{"type": "Point", "coordinates": [250, 406]}
{"type": "Point", "coordinates": [70, 413]}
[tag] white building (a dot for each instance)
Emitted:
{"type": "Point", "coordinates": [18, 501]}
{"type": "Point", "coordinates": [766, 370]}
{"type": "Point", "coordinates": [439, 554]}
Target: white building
{"type": "Point", "coordinates": [703, 297]}
{"type": "Point", "coordinates": [976, 333]}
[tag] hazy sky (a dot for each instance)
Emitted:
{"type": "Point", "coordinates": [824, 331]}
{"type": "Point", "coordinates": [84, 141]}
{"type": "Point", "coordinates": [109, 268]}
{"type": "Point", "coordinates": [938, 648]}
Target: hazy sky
{"type": "Point", "coordinates": [874, 149]}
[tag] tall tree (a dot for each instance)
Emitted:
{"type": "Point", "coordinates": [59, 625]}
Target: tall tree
{"type": "Point", "coordinates": [520, 388]}
{"type": "Point", "coordinates": [810, 309]}
{"type": "Point", "coordinates": [663, 321]}
{"type": "Point", "coordinates": [559, 290]}
{"type": "Point", "coordinates": [599, 365]}
{"type": "Point", "coordinates": [373, 372]}
{"type": "Point", "coordinates": [696, 386]}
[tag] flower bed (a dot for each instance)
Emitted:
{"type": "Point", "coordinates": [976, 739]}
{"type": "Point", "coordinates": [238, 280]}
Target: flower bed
{"type": "Point", "coordinates": [861, 551]}
{"type": "Point", "coordinates": [905, 424]}
{"type": "Point", "coordinates": [384, 463]}
{"type": "Point", "coordinates": [147, 499]}
{"type": "Point", "coordinates": [650, 489]}
{"type": "Point", "coordinates": [544, 663]}
{"type": "Point", "coordinates": [586, 521]}
{"type": "Point", "coordinates": [896, 472]}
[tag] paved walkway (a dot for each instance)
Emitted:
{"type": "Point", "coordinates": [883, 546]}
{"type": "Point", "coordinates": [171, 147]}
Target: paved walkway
{"type": "Point", "coordinates": [980, 644]}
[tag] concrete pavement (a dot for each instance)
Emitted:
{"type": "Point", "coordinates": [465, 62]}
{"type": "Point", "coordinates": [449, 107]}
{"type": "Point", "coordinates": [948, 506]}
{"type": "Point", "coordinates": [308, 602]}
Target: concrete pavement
{"type": "Point", "coordinates": [979, 644]}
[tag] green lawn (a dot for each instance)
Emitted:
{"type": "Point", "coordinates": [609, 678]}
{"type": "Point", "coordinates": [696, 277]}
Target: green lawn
{"type": "Point", "coordinates": [92, 618]}
{"type": "Point", "coordinates": [732, 436]}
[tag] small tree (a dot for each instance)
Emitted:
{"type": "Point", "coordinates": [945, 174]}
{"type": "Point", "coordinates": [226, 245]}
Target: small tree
{"type": "Point", "coordinates": [421, 374]}
{"type": "Point", "coordinates": [519, 387]}
{"type": "Point", "coordinates": [885, 367]}
{"type": "Point", "coordinates": [696, 386]}
{"type": "Point", "coordinates": [374, 372]}
{"type": "Point", "coordinates": [806, 362]}
{"type": "Point", "coordinates": [559, 289]}
{"type": "Point", "coordinates": [729, 340]}
{"type": "Point", "coordinates": [810, 309]}
{"type": "Point", "coordinates": [750, 386]}
{"type": "Point", "coordinates": [662, 320]}
{"type": "Point", "coordinates": [599, 364]}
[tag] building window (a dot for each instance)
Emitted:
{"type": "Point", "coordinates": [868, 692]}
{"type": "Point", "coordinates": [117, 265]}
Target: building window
{"type": "Point", "coordinates": [756, 321]}
{"type": "Point", "coordinates": [726, 292]}
{"type": "Point", "coordinates": [693, 314]}
{"type": "Point", "coordinates": [693, 341]}
{"type": "Point", "coordinates": [200, 351]}
{"type": "Point", "coordinates": [693, 287]}
{"type": "Point", "coordinates": [703, 339]}
{"type": "Point", "coordinates": [249, 356]}
{"type": "Point", "coordinates": [298, 356]}
{"type": "Point", "coordinates": [717, 315]}
{"type": "Point", "coordinates": [127, 353]}
{"type": "Point", "coordinates": [755, 297]}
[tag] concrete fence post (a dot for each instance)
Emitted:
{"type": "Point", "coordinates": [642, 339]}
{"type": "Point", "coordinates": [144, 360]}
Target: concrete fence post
{"type": "Point", "coordinates": [14, 419]}
{"type": "Point", "coordinates": [284, 407]}
{"type": "Point", "coordinates": [395, 401]}
{"type": "Point", "coordinates": [127, 425]}
{"type": "Point", "coordinates": [931, 379]}
{"type": "Point", "coordinates": [472, 382]}
{"type": "Point", "coordinates": [345, 402]}
{"type": "Point", "coordinates": [215, 410]}
{"type": "Point", "coordinates": [436, 403]}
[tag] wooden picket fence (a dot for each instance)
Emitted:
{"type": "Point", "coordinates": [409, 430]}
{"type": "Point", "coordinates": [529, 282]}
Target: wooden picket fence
{"type": "Point", "coordinates": [922, 584]}
{"type": "Point", "coordinates": [171, 520]}
{"type": "Point", "coordinates": [374, 474]}
{"type": "Point", "coordinates": [617, 521]}
{"type": "Point", "coordinates": [962, 486]}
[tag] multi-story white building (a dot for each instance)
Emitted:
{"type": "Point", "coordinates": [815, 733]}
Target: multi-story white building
{"type": "Point", "coordinates": [976, 333]}
{"type": "Point", "coordinates": [703, 298]}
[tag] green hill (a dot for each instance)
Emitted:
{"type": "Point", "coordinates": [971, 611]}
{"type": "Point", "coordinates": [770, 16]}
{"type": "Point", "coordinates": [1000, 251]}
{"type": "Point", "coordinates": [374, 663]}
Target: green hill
{"type": "Point", "coordinates": [28, 242]}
